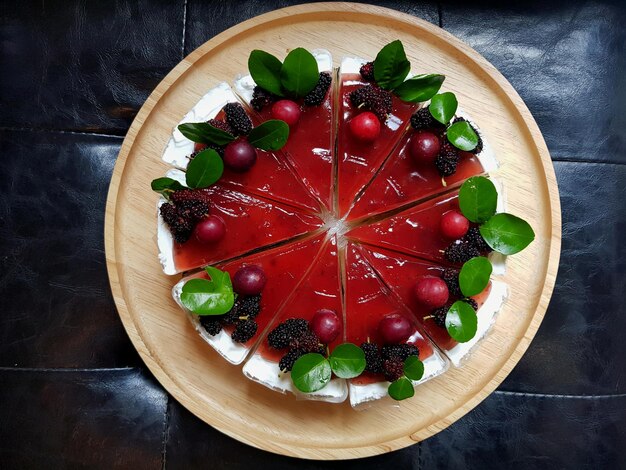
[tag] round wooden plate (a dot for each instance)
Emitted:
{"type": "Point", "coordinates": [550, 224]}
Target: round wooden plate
{"type": "Point", "coordinates": [217, 392]}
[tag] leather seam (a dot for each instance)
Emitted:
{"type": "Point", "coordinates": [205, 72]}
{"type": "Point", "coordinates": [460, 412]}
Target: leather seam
{"type": "Point", "coordinates": [561, 396]}
{"type": "Point", "coordinates": [59, 131]}
{"type": "Point", "coordinates": [68, 369]}
{"type": "Point", "coordinates": [184, 29]}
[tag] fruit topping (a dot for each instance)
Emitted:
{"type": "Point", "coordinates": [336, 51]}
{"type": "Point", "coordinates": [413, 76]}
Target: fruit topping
{"type": "Point", "coordinates": [460, 251]}
{"type": "Point", "coordinates": [451, 278]}
{"type": "Point", "coordinates": [374, 99]}
{"type": "Point", "coordinates": [210, 230]}
{"type": "Point", "coordinates": [237, 118]}
{"type": "Point", "coordinates": [286, 110]}
{"type": "Point", "coordinates": [307, 342]}
{"type": "Point", "coordinates": [365, 126]}
{"type": "Point", "coordinates": [424, 147]}
{"type": "Point", "coordinates": [439, 316]}
{"type": "Point", "coordinates": [401, 351]}
{"type": "Point", "coordinates": [394, 328]}
{"type": "Point", "coordinates": [373, 359]}
{"type": "Point", "coordinates": [367, 71]}
{"type": "Point", "coordinates": [221, 125]}
{"type": "Point", "coordinates": [472, 303]}
{"type": "Point", "coordinates": [316, 96]}
{"type": "Point", "coordinates": [244, 331]}
{"type": "Point", "coordinates": [249, 280]}
{"type": "Point", "coordinates": [261, 98]}
{"type": "Point", "coordinates": [447, 160]}
{"type": "Point", "coordinates": [185, 209]}
{"type": "Point", "coordinates": [431, 291]}
{"type": "Point", "coordinates": [240, 156]}
{"type": "Point", "coordinates": [211, 324]}
{"type": "Point", "coordinates": [281, 336]}
{"type": "Point", "coordinates": [422, 119]}
{"type": "Point", "coordinates": [474, 238]}
{"type": "Point", "coordinates": [326, 325]}
{"type": "Point", "coordinates": [393, 369]}
{"type": "Point", "coordinates": [454, 225]}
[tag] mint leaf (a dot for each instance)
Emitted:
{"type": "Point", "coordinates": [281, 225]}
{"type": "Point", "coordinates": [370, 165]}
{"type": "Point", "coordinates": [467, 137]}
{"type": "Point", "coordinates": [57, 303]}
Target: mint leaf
{"type": "Point", "coordinates": [165, 186]}
{"type": "Point", "coordinates": [299, 73]}
{"type": "Point", "coordinates": [271, 135]}
{"type": "Point", "coordinates": [414, 368]}
{"type": "Point", "coordinates": [462, 136]}
{"type": "Point", "coordinates": [461, 321]}
{"type": "Point", "coordinates": [401, 389]}
{"type": "Point", "coordinates": [347, 361]}
{"type": "Point", "coordinates": [311, 372]}
{"type": "Point", "coordinates": [265, 71]}
{"type": "Point", "coordinates": [474, 276]}
{"type": "Point", "coordinates": [507, 234]}
{"type": "Point", "coordinates": [209, 297]}
{"type": "Point", "coordinates": [419, 88]}
{"type": "Point", "coordinates": [204, 170]}
{"type": "Point", "coordinates": [443, 106]}
{"type": "Point", "coordinates": [205, 133]}
{"type": "Point", "coordinates": [391, 66]}
{"type": "Point", "coordinates": [478, 199]}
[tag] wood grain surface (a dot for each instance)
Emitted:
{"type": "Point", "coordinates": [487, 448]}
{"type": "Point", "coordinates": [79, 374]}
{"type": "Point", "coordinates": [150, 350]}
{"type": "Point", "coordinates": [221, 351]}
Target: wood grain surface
{"type": "Point", "coordinates": [217, 392]}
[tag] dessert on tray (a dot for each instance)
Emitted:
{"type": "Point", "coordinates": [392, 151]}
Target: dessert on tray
{"type": "Point", "coordinates": [339, 229]}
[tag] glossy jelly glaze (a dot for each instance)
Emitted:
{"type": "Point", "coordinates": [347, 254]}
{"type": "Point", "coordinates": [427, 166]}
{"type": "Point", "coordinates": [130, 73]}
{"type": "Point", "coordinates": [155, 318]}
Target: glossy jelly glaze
{"type": "Point", "coordinates": [358, 161]}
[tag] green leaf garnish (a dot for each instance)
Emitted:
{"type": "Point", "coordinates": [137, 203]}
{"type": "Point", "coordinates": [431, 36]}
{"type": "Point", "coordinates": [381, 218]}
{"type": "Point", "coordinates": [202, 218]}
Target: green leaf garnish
{"type": "Point", "coordinates": [462, 136]}
{"type": "Point", "coordinates": [414, 368]}
{"type": "Point", "coordinates": [461, 321]}
{"type": "Point", "coordinates": [209, 297]}
{"type": "Point", "coordinates": [311, 372]}
{"type": "Point", "coordinates": [507, 234]}
{"type": "Point", "coordinates": [205, 133]}
{"type": "Point", "coordinates": [401, 389]}
{"type": "Point", "coordinates": [391, 66]}
{"type": "Point", "coordinates": [419, 88]}
{"type": "Point", "coordinates": [443, 106]}
{"type": "Point", "coordinates": [347, 361]}
{"type": "Point", "coordinates": [271, 135]}
{"type": "Point", "coordinates": [165, 186]}
{"type": "Point", "coordinates": [474, 276]}
{"type": "Point", "coordinates": [204, 170]}
{"type": "Point", "coordinates": [478, 199]}
{"type": "Point", "coordinates": [299, 73]}
{"type": "Point", "coordinates": [265, 71]}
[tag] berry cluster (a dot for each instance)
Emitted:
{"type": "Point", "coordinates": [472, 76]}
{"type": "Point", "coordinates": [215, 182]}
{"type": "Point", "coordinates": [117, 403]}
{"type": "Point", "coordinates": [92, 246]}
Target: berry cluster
{"type": "Point", "coordinates": [472, 244]}
{"type": "Point", "coordinates": [261, 98]}
{"type": "Point", "coordinates": [374, 99]}
{"type": "Point", "coordinates": [388, 360]}
{"type": "Point", "coordinates": [242, 316]}
{"type": "Point", "coordinates": [237, 118]}
{"type": "Point", "coordinates": [295, 335]}
{"type": "Point", "coordinates": [451, 278]}
{"type": "Point", "coordinates": [439, 315]}
{"type": "Point", "coordinates": [186, 208]}
{"type": "Point", "coordinates": [367, 71]}
{"type": "Point", "coordinates": [316, 96]}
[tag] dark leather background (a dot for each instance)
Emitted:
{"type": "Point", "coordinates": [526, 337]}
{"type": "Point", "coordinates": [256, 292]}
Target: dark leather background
{"type": "Point", "coordinates": [73, 391]}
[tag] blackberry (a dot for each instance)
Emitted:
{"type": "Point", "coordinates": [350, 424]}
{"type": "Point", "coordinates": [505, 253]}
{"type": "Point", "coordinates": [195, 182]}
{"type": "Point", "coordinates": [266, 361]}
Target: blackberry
{"type": "Point", "coordinates": [221, 125]}
{"type": "Point", "coordinates": [459, 252]}
{"type": "Point", "coordinates": [232, 316]}
{"type": "Point", "coordinates": [244, 331]}
{"type": "Point", "coordinates": [472, 303]}
{"type": "Point", "coordinates": [475, 239]}
{"type": "Point", "coordinates": [399, 350]}
{"type": "Point", "coordinates": [180, 227]}
{"type": "Point", "coordinates": [367, 71]}
{"type": "Point", "coordinates": [181, 195]}
{"type": "Point", "coordinates": [393, 369]}
{"type": "Point", "coordinates": [261, 98]}
{"type": "Point", "coordinates": [374, 99]}
{"type": "Point", "coordinates": [288, 360]}
{"type": "Point", "coordinates": [307, 342]}
{"type": "Point", "coordinates": [249, 306]}
{"type": "Point", "coordinates": [211, 324]}
{"type": "Point", "coordinates": [439, 316]}
{"type": "Point", "coordinates": [447, 160]}
{"type": "Point", "coordinates": [237, 118]}
{"type": "Point", "coordinates": [193, 210]}
{"type": "Point", "coordinates": [373, 359]}
{"type": "Point", "coordinates": [283, 334]}
{"type": "Point", "coordinates": [422, 119]}
{"type": "Point", "coordinates": [479, 145]}
{"type": "Point", "coordinates": [316, 96]}
{"type": "Point", "coordinates": [451, 278]}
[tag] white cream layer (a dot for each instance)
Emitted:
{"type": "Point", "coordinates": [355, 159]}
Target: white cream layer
{"type": "Point", "coordinates": [165, 241]}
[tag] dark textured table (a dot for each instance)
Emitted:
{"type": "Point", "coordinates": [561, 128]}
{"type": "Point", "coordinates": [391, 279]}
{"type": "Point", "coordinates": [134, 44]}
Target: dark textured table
{"type": "Point", "coordinates": [73, 391]}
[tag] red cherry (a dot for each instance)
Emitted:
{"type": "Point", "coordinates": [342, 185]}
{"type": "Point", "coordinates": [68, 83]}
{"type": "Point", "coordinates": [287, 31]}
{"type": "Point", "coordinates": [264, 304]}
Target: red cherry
{"type": "Point", "coordinates": [286, 110]}
{"type": "Point", "coordinates": [365, 126]}
{"type": "Point", "coordinates": [431, 291]}
{"type": "Point", "coordinates": [239, 156]}
{"type": "Point", "coordinates": [394, 328]}
{"type": "Point", "coordinates": [249, 280]}
{"type": "Point", "coordinates": [326, 325]}
{"type": "Point", "coordinates": [424, 147]}
{"type": "Point", "coordinates": [210, 230]}
{"type": "Point", "coordinates": [453, 225]}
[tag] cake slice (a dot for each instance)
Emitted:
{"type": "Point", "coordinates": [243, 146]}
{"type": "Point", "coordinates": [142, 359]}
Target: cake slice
{"type": "Point", "coordinates": [401, 272]}
{"type": "Point", "coordinates": [311, 138]}
{"type": "Point", "coordinates": [276, 272]}
{"type": "Point", "coordinates": [250, 223]}
{"type": "Point", "coordinates": [406, 177]}
{"type": "Point", "coordinates": [270, 176]}
{"type": "Point", "coordinates": [290, 335]}
{"type": "Point", "coordinates": [368, 301]}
